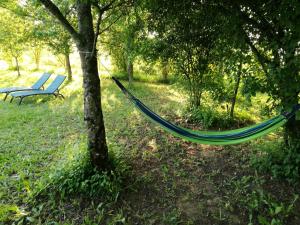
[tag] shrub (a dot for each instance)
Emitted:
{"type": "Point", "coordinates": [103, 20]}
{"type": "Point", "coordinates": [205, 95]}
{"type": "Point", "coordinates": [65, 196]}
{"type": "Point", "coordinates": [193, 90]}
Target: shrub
{"type": "Point", "coordinates": [211, 117]}
{"type": "Point", "coordinates": [281, 161]}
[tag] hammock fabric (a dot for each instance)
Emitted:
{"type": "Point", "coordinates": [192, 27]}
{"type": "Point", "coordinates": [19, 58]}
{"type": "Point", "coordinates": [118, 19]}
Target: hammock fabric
{"type": "Point", "coordinates": [211, 137]}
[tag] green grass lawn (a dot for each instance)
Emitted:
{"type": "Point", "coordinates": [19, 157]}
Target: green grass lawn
{"type": "Point", "coordinates": [164, 180]}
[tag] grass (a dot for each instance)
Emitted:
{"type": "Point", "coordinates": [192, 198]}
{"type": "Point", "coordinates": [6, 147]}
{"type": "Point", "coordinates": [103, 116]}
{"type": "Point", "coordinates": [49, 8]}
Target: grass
{"type": "Point", "coordinates": [45, 177]}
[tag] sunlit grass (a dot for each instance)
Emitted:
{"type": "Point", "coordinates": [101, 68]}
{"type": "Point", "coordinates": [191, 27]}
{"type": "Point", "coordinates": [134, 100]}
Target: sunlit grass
{"type": "Point", "coordinates": [44, 135]}
{"type": "Point", "coordinates": [3, 65]}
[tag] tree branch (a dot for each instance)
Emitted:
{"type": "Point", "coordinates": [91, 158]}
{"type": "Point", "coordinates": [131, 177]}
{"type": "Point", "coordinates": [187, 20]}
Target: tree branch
{"type": "Point", "coordinates": [112, 23]}
{"type": "Point", "coordinates": [261, 59]}
{"type": "Point", "coordinates": [106, 7]}
{"type": "Point", "coordinates": [100, 13]}
{"type": "Point", "coordinates": [54, 10]}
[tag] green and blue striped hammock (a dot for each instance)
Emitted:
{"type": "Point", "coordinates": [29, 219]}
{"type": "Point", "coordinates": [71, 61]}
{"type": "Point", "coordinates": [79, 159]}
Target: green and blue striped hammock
{"type": "Point", "coordinates": [211, 137]}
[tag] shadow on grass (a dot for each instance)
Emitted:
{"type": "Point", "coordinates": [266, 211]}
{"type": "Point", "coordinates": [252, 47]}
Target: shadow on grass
{"type": "Point", "coordinates": [170, 181]}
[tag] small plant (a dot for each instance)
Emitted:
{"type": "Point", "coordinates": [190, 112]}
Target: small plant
{"type": "Point", "coordinates": [211, 117]}
{"type": "Point", "coordinates": [266, 209]}
{"type": "Point", "coordinates": [281, 161]}
{"type": "Point", "coordinates": [262, 207]}
{"type": "Point", "coordinates": [85, 180]}
{"type": "Point", "coordinates": [172, 218]}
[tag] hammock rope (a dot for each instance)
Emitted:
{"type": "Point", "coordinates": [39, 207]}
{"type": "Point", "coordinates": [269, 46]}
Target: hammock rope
{"type": "Point", "coordinates": [211, 137]}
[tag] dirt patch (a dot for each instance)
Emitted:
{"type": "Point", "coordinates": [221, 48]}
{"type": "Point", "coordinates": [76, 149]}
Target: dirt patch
{"type": "Point", "coordinates": [186, 183]}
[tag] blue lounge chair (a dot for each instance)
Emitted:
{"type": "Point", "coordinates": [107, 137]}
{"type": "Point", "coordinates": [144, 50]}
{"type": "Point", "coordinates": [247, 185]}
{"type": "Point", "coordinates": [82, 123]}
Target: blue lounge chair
{"type": "Point", "coordinates": [52, 89]}
{"type": "Point", "coordinates": [36, 86]}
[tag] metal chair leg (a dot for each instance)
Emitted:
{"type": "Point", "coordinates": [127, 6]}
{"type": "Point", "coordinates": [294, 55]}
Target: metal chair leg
{"type": "Point", "coordinates": [61, 95]}
{"type": "Point", "coordinates": [12, 98]}
{"type": "Point", "coordinates": [5, 96]}
{"type": "Point", "coordinates": [21, 99]}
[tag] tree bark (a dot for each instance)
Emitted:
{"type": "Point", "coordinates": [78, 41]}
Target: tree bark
{"type": "Point", "coordinates": [17, 66]}
{"type": "Point", "coordinates": [165, 70]}
{"type": "Point", "coordinates": [37, 58]}
{"type": "Point", "coordinates": [236, 89]}
{"type": "Point", "coordinates": [68, 66]}
{"type": "Point", "coordinates": [85, 39]}
{"type": "Point", "coordinates": [92, 97]}
{"type": "Point", "coordinates": [130, 72]}
{"type": "Point", "coordinates": [292, 127]}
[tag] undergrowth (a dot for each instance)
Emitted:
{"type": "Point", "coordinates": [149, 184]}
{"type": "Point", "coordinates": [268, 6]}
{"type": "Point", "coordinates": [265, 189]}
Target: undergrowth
{"type": "Point", "coordinates": [262, 207]}
{"type": "Point", "coordinates": [82, 178]}
{"type": "Point", "coordinates": [140, 77]}
{"type": "Point", "coordinates": [279, 160]}
{"type": "Point", "coordinates": [74, 181]}
{"type": "Point", "coordinates": [47, 178]}
{"type": "Point", "coordinates": [211, 117]}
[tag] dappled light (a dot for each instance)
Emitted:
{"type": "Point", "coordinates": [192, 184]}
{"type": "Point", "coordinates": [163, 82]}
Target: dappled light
{"type": "Point", "coordinates": [152, 112]}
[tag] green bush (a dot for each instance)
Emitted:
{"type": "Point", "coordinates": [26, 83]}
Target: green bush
{"type": "Point", "coordinates": [143, 77]}
{"type": "Point", "coordinates": [81, 178]}
{"type": "Point", "coordinates": [262, 207]}
{"type": "Point", "coordinates": [266, 210]}
{"type": "Point", "coordinates": [212, 117]}
{"type": "Point", "coordinates": [281, 161]}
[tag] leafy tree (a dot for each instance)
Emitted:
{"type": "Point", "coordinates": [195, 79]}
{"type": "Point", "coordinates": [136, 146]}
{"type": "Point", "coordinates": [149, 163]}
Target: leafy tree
{"type": "Point", "coordinates": [270, 29]}
{"type": "Point", "coordinates": [237, 64]}
{"type": "Point", "coordinates": [105, 14]}
{"type": "Point", "coordinates": [12, 36]}
{"type": "Point", "coordinates": [58, 40]}
{"type": "Point", "coordinates": [177, 26]}
{"type": "Point", "coordinates": [153, 49]}
{"type": "Point", "coordinates": [124, 41]}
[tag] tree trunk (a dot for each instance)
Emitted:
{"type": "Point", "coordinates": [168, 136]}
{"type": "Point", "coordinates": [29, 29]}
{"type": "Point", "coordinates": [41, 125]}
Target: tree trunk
{"type": "Point", "coordinates": [92, 97]}
{"type": "Point", "coordinates": [130, 72]}
{"type": "Point", "coordinates": [68, 66]}
{"type": "Point", "coordinates": [165, 70]}
{"type": "Point", "coordinates": [289, 96]}
{"type": "Point", "coordinates": [17, 66]}
{"type": "Point", "coordinates": [292, 127]}
{"type": "Point", "coordinates": [37, 58]}
{"type": "Point", "coordinates": [236, 89]}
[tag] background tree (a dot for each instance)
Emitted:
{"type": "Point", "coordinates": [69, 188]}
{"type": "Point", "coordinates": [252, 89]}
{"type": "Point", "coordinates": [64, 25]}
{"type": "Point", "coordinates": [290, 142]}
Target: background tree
{"type": "Point", "coordinates": [154, 49]}
{"type": "Point", "coordinates": [36, 46]}
{"type": "Point", "coordinates": [46, 33]}
{"type": "Point", "coordinates": [271, 29]}
{"type": "Point", "coordinates": [12, 37]}
{"type": "Point", "coordinates": [59, 42]}
{"type": "Point", "coordinates": [123, 41]}
{"type": "Point", "coordinates": [177, 25]}
{"type": "Point", "coordinates": [236, 63]}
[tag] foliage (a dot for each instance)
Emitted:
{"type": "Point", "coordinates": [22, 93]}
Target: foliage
{"type": "Point", "coordinates": [46, 178]}
{"type": "Point", "coordinates": [82, 179]}
{"type": "Point", "coordinates": [190, 48]}
{"type": "Point", "coordinates": [122, 41]}
{"type": "Point", "coordinates": [273, 35]}
{"type": "Point", "coordinates": [265, 27]}
{"type": "Point", "coordinates": [213, 117]}
{"type": "Point", "coordinates": [281, 161]}
{"type": "Point", "coordinates": [13, 37]}
{"type": "Point", "coordinates": [262, 207]}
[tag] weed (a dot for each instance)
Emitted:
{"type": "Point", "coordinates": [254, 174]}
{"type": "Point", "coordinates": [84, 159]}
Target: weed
{"type": "Point", "coordinates": [281, 161]}
{"type": "Point", "coordinates": [213, 117]}
{"type": "Point", "coordinates": [172, 218]}
{"type": "Point", "coordinates": [262, 208]}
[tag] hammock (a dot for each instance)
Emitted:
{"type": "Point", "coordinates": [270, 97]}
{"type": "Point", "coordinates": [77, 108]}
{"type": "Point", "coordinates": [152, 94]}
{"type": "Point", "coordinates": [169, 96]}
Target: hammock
{"type": "Point", "coordinates": [211, 137]}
